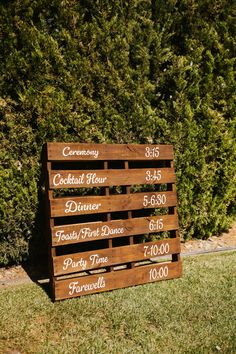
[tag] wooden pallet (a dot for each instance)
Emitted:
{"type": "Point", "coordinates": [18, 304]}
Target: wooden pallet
{"type": "Point", "coordinates": [105, 204]}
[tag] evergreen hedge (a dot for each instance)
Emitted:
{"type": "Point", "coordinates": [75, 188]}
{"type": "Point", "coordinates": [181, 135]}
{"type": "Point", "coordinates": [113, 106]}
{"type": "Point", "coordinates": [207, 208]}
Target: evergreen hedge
{"type": "Point", "coordinates": [124, 71]}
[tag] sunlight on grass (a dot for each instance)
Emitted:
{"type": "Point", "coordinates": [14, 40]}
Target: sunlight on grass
{"type": "Point", "coordinates": [193, 314]}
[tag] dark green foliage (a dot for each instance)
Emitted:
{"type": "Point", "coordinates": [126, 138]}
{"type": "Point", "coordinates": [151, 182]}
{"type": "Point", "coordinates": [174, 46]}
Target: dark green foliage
{"type": "Point", "coordinates": [118, 72]}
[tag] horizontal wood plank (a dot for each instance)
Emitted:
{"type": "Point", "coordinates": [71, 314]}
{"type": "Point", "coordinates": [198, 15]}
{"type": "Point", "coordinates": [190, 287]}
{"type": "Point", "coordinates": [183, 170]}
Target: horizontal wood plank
{"type": "Point", "coordinates": [78, 262]}
{"type": "Point", "coordinates": [73, 287]}
{"type": "Point", "coordinates": [76, 151]}
{"type": "Point", "coordinates": [100, 178]}
{"type": "Point", "coordinates": [77, 233]}
{"type": "Point", "coordinates": [102, 204]}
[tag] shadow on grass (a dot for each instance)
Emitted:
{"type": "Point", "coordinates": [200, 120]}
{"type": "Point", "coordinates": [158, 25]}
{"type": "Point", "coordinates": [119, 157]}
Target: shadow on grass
{"type": "Point", "coordinates": [38, 273]}
{"type": "Point", "coordinates": [37, 265]}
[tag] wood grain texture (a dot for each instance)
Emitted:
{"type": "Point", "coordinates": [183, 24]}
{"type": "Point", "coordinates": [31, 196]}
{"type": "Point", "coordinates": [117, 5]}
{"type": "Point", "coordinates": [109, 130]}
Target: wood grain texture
{"type": "Point", "coordinates": [105, 204]}
{"type": "Point", "coordinates": [59, 179]}
{"type": "Point", "coordinates": [96, 152]}
{"type": "Point", "coordinates": [73, 287]}
{"type": "Point", "coordinates": [77, 233]}
{"type": "Point", "coordinates": [75, 165]}
{"type": "Point", "coordinates": [77, 262]}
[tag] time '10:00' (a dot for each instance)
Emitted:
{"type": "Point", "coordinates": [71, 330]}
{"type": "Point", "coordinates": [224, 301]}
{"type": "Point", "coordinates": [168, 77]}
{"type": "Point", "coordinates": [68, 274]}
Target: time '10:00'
{"type": "Point", "coordinates": [158, 273]}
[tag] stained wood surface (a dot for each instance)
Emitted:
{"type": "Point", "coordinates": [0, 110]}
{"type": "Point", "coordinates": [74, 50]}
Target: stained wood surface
{"type": "Point", "coordinates": [99, 266]}
{"type": "Point", "coordinates": [77, 262]}
{"type": "Point", "coordinates": [101, 178]}
{"type": "Point", "coordinates": [102, 204]}
{"type": "Point", "coordinates": [73, 287]}
{"type": "Point", "coordinates": [77, 233]}
{"type": "Point", "coordinates": [95, 152]}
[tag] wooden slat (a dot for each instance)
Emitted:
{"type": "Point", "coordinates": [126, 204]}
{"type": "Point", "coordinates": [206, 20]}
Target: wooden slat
{"type": "Point", "coordinates": [108, 215]}
{"type": "Point", "coordinates": [174, 233]}
{"type": "Point", "coordinates": [101, 178]}
{"type": "Point", "coordinates": [50, 224]}
{"type": "Point", "coordinates": [78, 286]}
{"type": "Point", "coordinates": [77, 262]}
{"type": "Point", "coordinates": [129, 214]}
{"type": "Point", "coordinates": [102, 204]}
{"type": "Point", "coordinates": [106, 261]}
{"type": "Point", "coordinates": [77, 233]}
{"type": "Point", "coordinates": [95, 152]}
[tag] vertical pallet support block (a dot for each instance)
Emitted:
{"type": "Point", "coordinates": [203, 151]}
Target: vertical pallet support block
{"type": "Point", "coordinates": [106, 205]}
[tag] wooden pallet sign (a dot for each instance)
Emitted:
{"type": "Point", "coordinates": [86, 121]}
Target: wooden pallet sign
{"type": "Point", "coordinates": [112, 216]}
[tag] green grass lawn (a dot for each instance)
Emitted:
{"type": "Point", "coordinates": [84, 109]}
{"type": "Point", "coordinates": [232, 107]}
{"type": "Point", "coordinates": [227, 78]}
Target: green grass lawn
{"type": "Point", "coordinates": [193, 314]}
